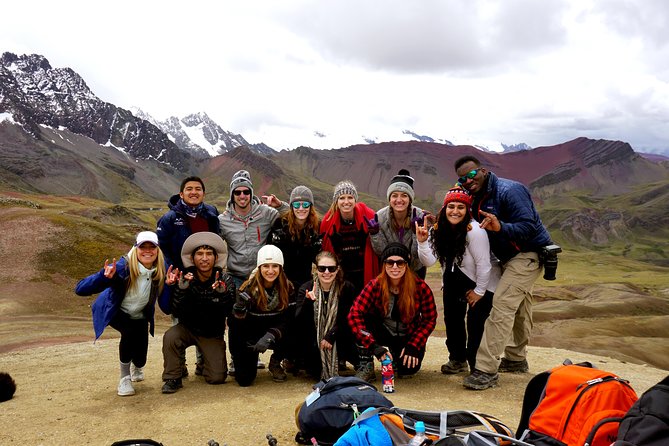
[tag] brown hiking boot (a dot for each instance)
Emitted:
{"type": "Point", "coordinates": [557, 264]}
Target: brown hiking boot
{"type": "Point", "coordinates": [275, 369]}
{"type": "Point", "coordinates": [454, 367]}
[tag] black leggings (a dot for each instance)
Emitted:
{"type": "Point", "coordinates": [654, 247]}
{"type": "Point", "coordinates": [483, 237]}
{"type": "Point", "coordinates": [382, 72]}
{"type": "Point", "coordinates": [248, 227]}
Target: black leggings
{"type": "Point", "coordinates": [134, 343]}
{"type": "Point", "coordinates": [463, 342]}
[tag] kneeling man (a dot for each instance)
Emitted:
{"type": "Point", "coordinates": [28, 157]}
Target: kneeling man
{"type": "Point", "coordinates": [202, 298]}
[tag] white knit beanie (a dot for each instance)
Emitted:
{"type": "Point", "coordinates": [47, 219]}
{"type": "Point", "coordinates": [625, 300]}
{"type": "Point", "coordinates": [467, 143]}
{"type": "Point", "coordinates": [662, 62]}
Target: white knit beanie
{"type": "Point", "coordinates": [269, 254]}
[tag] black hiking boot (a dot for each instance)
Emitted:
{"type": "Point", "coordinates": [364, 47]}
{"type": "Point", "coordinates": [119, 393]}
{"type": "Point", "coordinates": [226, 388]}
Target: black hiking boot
{"type": "Point", "coordinates": [479, 380]}
{"type": "Point", "coordinates": [508, 366]}
{"type": "Point", "coordinates": [172, 385]}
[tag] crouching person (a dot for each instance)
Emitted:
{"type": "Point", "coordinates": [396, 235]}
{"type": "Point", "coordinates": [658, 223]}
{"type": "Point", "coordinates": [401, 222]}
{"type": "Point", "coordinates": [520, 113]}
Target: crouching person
{"type": "Point", "coordinates": [202, 297]}
{"type": "Point", "coordinates": [128, 291]}
{"type": "Point", "coordinates": [265, 307]}
{"type": "Point", "coordinates": [394, 314]}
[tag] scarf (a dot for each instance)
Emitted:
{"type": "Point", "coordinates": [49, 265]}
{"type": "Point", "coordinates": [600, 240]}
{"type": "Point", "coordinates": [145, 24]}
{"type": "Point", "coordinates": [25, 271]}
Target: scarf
{"type": "Point", "coordinates": [325, 318]}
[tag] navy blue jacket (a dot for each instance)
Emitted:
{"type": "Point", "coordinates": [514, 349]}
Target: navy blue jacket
{"type": "Point", "coordinates": [112, 293]}
{"type": "Point", "coordinates": [173, 229]}
{"type": "Point", "coordinates": [522, 229]}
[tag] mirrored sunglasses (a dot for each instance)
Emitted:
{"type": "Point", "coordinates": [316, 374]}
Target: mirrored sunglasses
{"type": "Point", "coordinates": [468, 176]}
{"type": "Point", "coordinates": [331, 269]}
{"type": "Point", "coordinates": [304, 204]}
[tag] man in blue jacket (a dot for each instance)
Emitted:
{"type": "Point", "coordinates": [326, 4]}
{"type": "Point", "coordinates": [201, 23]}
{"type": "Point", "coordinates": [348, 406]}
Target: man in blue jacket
{"type": "Point", "coordinates": [188, 214]}
{"type": "Point", "coordinates": [504, 208]}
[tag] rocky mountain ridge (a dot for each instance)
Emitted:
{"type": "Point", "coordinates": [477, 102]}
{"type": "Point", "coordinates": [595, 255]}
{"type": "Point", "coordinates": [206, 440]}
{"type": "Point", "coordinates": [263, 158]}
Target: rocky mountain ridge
{"type": "Point", "coordinates": [36, 94]}
{"type": "Point", "coordinates": [201, 135]}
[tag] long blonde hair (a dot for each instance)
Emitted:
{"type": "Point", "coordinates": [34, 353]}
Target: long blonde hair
{"type": "Point", "coordinates": [406, 300]}
{"type": "Point", "coordinates": [254, 285]}
{"type": "Point", "coordinates": [158, 274]}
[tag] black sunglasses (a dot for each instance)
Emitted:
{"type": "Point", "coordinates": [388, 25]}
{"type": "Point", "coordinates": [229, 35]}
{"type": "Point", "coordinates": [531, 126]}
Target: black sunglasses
{"type": "Point", "coordinates": [331, 269]}
{"type": "Point", "coordinates": [468, 176]}
{"type": "Point", "coordinates": [399, 263]}
{"type": "Point", "coordinates": [238, 192]}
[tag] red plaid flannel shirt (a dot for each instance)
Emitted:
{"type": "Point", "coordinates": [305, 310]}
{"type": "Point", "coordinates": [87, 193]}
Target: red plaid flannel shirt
{"type": "Point", "coordinates": [369, 303]}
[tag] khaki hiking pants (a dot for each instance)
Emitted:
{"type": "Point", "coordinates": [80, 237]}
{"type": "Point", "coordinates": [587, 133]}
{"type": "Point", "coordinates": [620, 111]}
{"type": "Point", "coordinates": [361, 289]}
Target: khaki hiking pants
{"type": "Point", "coordinates": [507, 329]}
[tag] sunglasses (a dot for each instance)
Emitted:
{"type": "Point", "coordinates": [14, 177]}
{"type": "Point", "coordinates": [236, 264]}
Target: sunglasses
{"type": "Point", "coordinates": [398, 263]}
{"type": "Point", "coordinates": [468, 176]}
{"type": "Point", "coordinates": [304, 204]}
{"type": "Point", "coordinates": [238, 192]}
{"type": "Point", "coordinates": [330, 269]}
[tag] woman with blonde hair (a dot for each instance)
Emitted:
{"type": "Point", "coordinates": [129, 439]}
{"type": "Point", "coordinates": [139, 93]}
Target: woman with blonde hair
{"type": "Point", "coordinates": [129, 290]}
{"type": "Point", "coordinates": [345, 233]}
{"type": "Point", "coordinates": [393, 315]}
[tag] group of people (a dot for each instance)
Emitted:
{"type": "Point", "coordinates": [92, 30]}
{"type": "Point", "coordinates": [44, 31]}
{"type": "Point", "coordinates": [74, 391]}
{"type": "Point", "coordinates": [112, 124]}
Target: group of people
{"type": "Point", "coordinates": [323, 294]}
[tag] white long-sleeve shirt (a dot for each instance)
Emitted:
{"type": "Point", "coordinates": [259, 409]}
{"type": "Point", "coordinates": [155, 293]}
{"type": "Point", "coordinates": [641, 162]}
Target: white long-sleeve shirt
{"type": "Point", "coordinates": [477, 263]}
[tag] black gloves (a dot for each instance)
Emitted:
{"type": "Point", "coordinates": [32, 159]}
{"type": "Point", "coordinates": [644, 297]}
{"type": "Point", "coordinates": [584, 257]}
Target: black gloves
{"type": "Point", "coordinates": [241, 305]}
{"type": "Point", "coordinates": [379, 351]}
{"type": "Point", "coordinates": [264, 343]}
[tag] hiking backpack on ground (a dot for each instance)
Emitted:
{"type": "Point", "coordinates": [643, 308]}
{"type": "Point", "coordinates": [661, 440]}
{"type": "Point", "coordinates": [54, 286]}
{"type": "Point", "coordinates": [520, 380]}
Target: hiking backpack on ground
{"type": "Point", "coordinates": [647, 422]}
{"type": "Point", "coordinates": [329, 410]}
{"type": "Point", "coordinates": [574, 404]}
{"type": "Point", "coordinates": [443, 428]}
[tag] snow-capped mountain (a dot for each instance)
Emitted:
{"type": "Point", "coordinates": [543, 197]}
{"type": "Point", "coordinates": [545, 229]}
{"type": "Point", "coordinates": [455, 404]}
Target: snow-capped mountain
{"type": "Point", "coordinates": [200, 134]}
{"type": "Point", "coordinates": [36, 94]}
{"type": "Point", "coordinates": [290, 138]}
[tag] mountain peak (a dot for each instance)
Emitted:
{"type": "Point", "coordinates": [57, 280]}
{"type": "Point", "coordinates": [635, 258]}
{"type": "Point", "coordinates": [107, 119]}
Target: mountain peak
{"type": "Point", "coordinates": [38, 95]}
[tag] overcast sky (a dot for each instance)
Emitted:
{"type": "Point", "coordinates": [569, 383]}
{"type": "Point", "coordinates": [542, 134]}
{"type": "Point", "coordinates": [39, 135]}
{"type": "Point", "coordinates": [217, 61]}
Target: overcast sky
{"type": "Point", "coordinates": [535, 71]}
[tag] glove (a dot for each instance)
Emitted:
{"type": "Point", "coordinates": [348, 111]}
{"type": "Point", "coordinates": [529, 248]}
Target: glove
{"type": "Point", "coordinates": [316, 242]}
{"type": "Point", "coordinates": [276, 237]}
{"type": "Point", "coordinates": [241, 305]}
{"type": "Point", "coordinates": [372, 225]}
{"type": "Point", "coordinates": [379, 351]}
{"type": "Point", "coordinates": [264, 343]}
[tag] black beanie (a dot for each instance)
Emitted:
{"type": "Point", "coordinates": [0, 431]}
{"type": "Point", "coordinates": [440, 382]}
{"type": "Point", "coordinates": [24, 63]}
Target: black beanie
{"type": "Point", "coordinates": [396, 249]}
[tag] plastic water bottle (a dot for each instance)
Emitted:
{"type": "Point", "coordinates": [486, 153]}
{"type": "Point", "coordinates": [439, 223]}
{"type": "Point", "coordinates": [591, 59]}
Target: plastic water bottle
{"type": "Point", "coordinates": [420, 436]}
{"type": "Point", "coordinates": [387, 375]}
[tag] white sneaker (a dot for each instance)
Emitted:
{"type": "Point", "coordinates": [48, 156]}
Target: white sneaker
{"type": "Point", "coordinates": [125, 386]}
{"type": "Point", "coordinates": [136, 373]}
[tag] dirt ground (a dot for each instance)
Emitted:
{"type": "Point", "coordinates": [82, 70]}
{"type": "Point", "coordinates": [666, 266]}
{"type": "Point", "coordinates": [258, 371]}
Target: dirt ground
{"type": "Point", "coordinates": [67, 384]}
{"type": "Point", "coordinates": [67, 395]}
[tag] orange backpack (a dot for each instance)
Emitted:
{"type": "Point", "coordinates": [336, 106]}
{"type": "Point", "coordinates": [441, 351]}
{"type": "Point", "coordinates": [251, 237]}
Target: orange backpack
{"type": "Point", "coordinates": [579, 405]}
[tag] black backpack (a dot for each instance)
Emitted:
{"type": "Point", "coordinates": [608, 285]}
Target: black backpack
{"type": "Point", "coordinates": [647, 421]}
{"type": "Point", "coordinates": [329, 416]}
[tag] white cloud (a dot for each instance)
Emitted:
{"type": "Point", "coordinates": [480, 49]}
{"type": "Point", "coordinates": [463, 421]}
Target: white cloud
{"type": "Point", "coordinates": [514, 71]}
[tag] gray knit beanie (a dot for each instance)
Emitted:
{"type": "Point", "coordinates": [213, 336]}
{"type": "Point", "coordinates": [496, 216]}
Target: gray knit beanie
{"type": "Point", "coordinates": [239, 179]}
{"type": "Point", "coordinates": [402, 182]}
{"type": "Point", "coordinates": [301, 193]}
{"type": "Point", "coordinates": [345, 188]}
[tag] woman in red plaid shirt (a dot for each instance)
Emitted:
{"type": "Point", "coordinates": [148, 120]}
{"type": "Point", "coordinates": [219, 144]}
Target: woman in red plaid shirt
{"type": "Point", "coordinates": [394, 314]}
